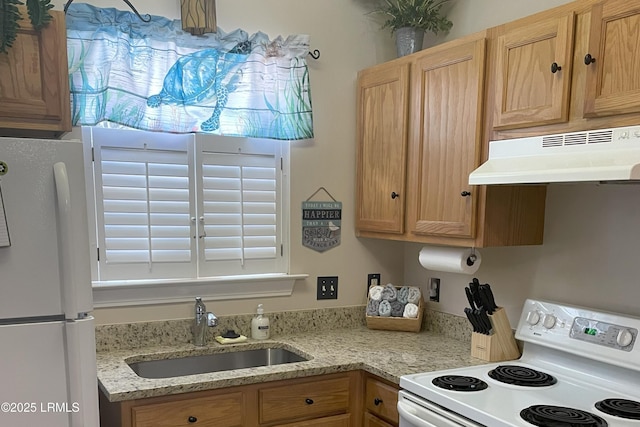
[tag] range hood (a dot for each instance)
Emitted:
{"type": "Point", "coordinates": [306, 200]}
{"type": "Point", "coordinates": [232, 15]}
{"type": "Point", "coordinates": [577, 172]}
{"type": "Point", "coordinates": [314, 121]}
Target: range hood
{"type": "Point", "coordinates": [598, 155]}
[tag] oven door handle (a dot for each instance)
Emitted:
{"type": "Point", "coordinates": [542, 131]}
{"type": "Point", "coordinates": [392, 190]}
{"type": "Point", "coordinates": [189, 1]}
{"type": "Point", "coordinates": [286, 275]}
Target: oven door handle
{"type": "Point", "coordinates": [411, 413]}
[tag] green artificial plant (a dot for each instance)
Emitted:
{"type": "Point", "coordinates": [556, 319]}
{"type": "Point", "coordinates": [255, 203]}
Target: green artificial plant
{"type": "Point", "coordinates": [39, 16]}
{"type": "Point", "coordinates": [420, 14]}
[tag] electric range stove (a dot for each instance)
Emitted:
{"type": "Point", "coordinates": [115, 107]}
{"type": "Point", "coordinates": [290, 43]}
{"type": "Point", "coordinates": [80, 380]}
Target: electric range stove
{"type": "Point", "coordinates": [579, 367]}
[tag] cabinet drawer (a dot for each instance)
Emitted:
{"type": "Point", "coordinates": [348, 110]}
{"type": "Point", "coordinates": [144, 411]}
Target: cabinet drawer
{"type": "Point", "coordinates": [226, 410]}
{"type": "Point", "coordinates": [382, 400]}
{"type": "Point", "coordinates": [304, 400]}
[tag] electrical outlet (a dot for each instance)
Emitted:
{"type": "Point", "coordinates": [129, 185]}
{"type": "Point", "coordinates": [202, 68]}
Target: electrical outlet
{"type": "Point", "coordinates": [327, 287]}
{"type": "Point", "coordinates": [434, 289]}
{"type": "Point", "coordinates": [373, 279]}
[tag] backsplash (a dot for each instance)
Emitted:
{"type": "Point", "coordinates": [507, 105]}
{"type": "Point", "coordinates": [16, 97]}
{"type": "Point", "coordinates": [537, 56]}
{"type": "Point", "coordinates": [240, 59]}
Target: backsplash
{"type": "Point", "coordinates": [176, 332]}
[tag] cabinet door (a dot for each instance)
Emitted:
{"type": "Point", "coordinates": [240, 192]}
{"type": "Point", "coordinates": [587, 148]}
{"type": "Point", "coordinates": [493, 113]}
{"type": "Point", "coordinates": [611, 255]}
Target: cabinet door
{"type": "Point", "coordinates": [382, 141]}
{"type": "Point", "coordinates": [446, 139]}
{"type": "Point", "coordinates": [381, 400]}
{"type": "Point", "coordinates": [34, 81]}
{"type": "Point", "coordinates": [613, 75]}
{"type": "Point", "coordinates": [373, 421]}
{"type": "Point", "coordinates": [336, 421]}
{"type": "Point", "coordinates": [530, 89]}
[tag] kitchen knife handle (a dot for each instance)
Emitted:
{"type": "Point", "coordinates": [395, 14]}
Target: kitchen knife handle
{"type": "Point", "coordinates": [468, 313]}
{"type": "Point", "coordinates": [467, 291]}
{"type": "Point", "coordinates": [491, 298]}
{"type": "Point", "coordinates": [484, 318]}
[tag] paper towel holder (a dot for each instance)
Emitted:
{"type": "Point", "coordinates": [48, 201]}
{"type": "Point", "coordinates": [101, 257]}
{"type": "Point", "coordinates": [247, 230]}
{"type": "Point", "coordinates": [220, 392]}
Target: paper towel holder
{"type": "Point", "coordinates": [472, 258]}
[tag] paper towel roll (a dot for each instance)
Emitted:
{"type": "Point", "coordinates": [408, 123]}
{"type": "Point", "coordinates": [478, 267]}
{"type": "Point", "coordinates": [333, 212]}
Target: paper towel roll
{"type": "Point", "coordinates": [452, 260]}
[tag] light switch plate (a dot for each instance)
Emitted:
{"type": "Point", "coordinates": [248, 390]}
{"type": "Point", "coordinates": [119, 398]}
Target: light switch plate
{"type": "Point", "coordinates": [327, 287]}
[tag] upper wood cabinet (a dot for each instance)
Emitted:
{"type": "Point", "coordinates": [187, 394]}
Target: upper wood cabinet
{"type": "Point", "coordinates": [446, 138]}
{"type": "Point", "coordinates": [441, 109]}
{"type": "Point", "coordinates": [34, 81]}
{"type": "Point", "coordinates": [595, 46]}
{"type": "Point", "coordinates": [382, 111]}
{"type": "Point", "coordinates": [613, 61]}
{"type": "Point", "coordinates": [533, 73]}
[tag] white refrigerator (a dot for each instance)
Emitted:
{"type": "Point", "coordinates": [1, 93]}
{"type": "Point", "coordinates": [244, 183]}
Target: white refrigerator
{"type": "Point", "coordinates": [47, 341]}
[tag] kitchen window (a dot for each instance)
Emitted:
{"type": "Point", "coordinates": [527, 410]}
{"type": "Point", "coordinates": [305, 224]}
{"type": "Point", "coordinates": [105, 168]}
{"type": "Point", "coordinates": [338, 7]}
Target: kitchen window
{"type": "Point", "coordinates": [180, 215]}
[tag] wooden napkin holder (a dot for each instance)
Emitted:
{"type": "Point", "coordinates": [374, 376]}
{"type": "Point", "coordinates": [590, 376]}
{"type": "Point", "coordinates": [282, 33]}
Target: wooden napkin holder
{"type": "Point", "coordinates": [500, 345]}
{"type": "Point", "coordinates": [397, 323]}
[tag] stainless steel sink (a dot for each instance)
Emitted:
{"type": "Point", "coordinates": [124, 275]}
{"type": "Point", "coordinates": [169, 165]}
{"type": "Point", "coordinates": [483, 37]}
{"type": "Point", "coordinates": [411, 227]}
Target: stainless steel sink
{"type": "Point", "coordinates": [190, 365]}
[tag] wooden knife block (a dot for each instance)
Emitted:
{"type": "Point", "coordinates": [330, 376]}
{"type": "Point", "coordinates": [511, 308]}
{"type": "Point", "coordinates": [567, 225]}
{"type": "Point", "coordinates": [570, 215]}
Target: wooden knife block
{"type": "Point", "coordinates": [500, 345]}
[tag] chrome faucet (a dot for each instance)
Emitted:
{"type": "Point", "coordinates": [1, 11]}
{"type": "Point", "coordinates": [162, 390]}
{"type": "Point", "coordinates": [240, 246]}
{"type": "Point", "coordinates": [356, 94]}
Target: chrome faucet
{"type": "Point", "coordinates": [202, 320]}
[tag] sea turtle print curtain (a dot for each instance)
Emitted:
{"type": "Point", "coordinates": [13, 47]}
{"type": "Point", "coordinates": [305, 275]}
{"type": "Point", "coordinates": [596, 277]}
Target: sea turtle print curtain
{"type": "Point", "coordinates": [153, 76]}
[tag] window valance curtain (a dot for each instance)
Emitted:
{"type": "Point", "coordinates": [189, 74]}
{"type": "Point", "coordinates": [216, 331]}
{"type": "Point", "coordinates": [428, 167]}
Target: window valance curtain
{"type": "Point", "coordinates": [153, 76]}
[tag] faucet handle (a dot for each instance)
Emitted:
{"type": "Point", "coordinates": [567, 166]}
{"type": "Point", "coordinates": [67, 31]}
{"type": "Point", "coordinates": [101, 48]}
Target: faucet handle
{"type": "Point", "coordinates": [212, 320]}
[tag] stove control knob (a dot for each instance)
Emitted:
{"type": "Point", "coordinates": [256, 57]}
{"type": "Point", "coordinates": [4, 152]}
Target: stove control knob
{"type": "Point", "coordinates": [533, 317]}
{"type": "Point", "coordinates": [624, 337]}
{"type": "Point", "coordinates": [549, 321]}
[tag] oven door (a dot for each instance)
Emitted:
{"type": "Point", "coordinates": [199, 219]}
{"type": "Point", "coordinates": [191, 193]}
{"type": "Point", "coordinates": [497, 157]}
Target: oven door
{"type": "Point", "coordinates": [417, 412]}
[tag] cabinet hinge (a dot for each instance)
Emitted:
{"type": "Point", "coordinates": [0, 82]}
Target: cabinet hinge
{"type": "Point", "coordinates": [281, 164]}
{"type": "Point", "coordinates": [93, 157]}
{"type": "Point", "coordinates": [98, 251]}
{"type": "Point", "coordinates": [281, 249]}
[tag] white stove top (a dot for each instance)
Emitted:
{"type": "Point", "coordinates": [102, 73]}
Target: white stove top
{"type": "Point", "coordinates": [583, 369]}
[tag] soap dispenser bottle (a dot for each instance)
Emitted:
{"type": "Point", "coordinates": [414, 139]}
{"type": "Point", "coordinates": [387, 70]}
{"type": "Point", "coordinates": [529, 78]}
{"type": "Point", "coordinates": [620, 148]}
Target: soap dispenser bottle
{"type": "Point", "coordinates": [260, 325]}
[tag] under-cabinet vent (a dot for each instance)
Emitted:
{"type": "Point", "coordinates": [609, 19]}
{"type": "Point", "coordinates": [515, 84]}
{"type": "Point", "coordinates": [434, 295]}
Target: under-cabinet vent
{"type": "Point", "coordinates": [578, 138]}
{"type": "Point", "coordinates": [597, 137]}
{"type": "Point", "coordinates": [552, 141]}
{"type": "Point", "coordinates": [599, 155]}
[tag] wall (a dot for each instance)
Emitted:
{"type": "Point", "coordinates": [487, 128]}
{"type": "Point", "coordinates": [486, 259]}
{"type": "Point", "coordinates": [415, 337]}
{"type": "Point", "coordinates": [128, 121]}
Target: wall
{"type": "Point", "coordinates": [590, 251]}
{"type": "Point", "coordinates": [348, 41]}
{"type": "Point", "coordinates": [587, 257]}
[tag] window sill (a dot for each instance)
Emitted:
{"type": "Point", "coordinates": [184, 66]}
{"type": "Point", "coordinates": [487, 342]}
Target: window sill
{"type": "Point", "coordinates": [144, 292]}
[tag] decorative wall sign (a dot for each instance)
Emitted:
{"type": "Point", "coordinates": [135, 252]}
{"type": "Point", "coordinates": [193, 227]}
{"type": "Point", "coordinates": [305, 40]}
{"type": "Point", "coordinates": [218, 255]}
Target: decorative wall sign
{"type": "Point", "coordinates": [321, 223]}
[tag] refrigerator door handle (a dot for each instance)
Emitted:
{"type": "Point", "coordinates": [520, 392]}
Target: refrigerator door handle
{"type": "Point", "coordinates": [83, 375]}
{"type": "Point", "coordinates": [72, 289]}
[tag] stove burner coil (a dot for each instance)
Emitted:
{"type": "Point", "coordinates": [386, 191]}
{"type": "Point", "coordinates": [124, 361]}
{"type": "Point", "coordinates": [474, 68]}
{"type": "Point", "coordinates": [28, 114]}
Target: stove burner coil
{"type": "Point", "coordinates": [558, 416]}
{"type": "Point", "coordinates": [521, 376]}
{"type": "Point", "coordinates": [622, 408]}
{"type": "Point", "coordinates": [459, 383]}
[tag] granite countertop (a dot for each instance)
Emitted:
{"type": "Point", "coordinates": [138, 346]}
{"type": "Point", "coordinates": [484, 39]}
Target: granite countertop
{"type": "Point", "coordinates": [387, 354]}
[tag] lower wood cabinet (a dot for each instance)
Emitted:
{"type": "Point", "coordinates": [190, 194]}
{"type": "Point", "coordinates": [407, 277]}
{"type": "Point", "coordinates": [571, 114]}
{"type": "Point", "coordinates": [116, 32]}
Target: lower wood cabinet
{"type": "Point", "coordinates": [349, 399]}
{"type": "Point", "coordinates": [224, 410]}
{"type": "Point", "coordinates": [380, 402]}
{"type": "Point", "coordinates": [321, 401]}
{"type": "Point", "coordinates": [370, 420]}
{"type": "Point", "coordinates": [317, 398]}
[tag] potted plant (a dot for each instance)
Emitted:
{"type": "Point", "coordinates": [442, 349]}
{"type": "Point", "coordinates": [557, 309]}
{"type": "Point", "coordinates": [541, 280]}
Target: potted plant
{"type": "Point", "coordinates": [39, 15]}
{"type": "Point", "coordinates": [409, 19]}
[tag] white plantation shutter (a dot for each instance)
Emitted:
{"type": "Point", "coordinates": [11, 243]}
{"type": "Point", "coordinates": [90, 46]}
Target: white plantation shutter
{"type": "Point", "coordinates": [144, 204]}
{"type": "Point", "coordinates": [240, 205]}
{"type": "Point", "coordinates": [187, 207]}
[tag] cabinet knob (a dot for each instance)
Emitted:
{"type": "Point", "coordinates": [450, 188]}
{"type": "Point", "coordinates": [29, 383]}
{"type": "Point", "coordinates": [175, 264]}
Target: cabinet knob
{"type": "Point", "coordinates": [192, 419]}
{"type": "Point", "coordinates": [308, 401]}
{"type": "Point", "coordinates": [394, 195]}
{"type": "Point", "coordinates": [555, 67]}
{"type": "Point", "coordinates": [588, 59]}
{"type": "Point", "coordinates": [377, 401]}
{"type": "Point", "coordinates": [465, 193]}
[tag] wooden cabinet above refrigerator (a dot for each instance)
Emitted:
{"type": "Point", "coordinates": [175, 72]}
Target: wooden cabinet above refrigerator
{"type": "Point", "coordinates": [34, 81]}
